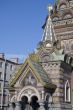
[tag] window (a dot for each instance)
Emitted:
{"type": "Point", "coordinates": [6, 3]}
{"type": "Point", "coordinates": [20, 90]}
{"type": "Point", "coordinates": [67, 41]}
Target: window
{"type": "Point", "coordinates": [62, 6]}
{"type": "Point", "coordinates": [71, 61]}
{"type": "Point", "coordinates": [67, 91]}
{"type": "Point", "coordinates": [66, 58]}
{"type": "Point", "coordinates": [0, 86]}
{"type": "Point", "coordinates": [0, 98]}
{"type": "Point", "coordinates": [55, 18]}
{"type": "Point", "coordinates": [0, 75]}
{"type": "Point", "coordinates": [11, 67]}
{"type": "Point", "coordinates": [4, 99]}
{"type": "Point", "coordinates": [6, 65]}
{"type": "Point", "coordinates": [1, 64]}
{"type": "Point", "coordinates": [67, 16]}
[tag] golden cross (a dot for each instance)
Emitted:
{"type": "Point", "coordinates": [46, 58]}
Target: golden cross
{"type": "Point", "coordinates": [50, 8]}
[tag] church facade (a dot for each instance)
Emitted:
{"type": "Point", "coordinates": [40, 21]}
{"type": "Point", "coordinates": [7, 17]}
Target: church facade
{"type": "Point", "coordinates": [45, 80]}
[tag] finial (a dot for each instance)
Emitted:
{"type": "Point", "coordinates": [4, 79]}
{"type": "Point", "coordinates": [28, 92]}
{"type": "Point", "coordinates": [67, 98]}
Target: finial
{"type": "Point", "coordinates": [50, 8]}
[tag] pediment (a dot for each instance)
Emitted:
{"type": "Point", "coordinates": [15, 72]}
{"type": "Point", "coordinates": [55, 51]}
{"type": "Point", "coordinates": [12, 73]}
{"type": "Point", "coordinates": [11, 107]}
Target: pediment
{"type": "Point", "coordinates": [26, 75]}
{"type": "Point", "coordinates": [31, 72]}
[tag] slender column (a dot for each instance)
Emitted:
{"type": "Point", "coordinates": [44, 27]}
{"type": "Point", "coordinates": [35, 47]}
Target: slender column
{"type": "Point", "coordinates": [10, 106]}
{"type": "Point", "coordinates": [18, 106]}
{"type": "Point", "coordinates": [41, 103]}
{"type": "Point", "coordinates": [42, 95]}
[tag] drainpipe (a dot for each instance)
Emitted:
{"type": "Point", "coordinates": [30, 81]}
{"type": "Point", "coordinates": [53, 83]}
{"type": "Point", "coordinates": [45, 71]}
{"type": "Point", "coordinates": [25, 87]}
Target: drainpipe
{"type": "Point", "coordinates": [3, 85]}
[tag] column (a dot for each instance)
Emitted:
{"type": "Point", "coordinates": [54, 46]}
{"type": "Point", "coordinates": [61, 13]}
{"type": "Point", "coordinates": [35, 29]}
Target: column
{"type": "Point", "coordinates": [41, 103]}
{"type": "Point", "coordinates": [43, 95]}
{"type": "Point", "coordinates": [10, 106]}
{"type": "Point", "coordinates": [18, 106]}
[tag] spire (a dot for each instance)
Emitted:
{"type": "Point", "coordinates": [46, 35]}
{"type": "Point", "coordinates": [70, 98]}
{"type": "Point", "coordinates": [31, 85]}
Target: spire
{"type": "Point", "coordinates": [49, 34]}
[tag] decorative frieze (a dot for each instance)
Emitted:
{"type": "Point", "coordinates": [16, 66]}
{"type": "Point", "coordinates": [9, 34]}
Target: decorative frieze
{"type": "Point", "coordinates": [67, 29]}
{"type": "Point", "coordinates": [66, 36]}
{"type": "Point", "coordinates": [63, 22]}
{"type": "Point", "coordinates": [48, 66]}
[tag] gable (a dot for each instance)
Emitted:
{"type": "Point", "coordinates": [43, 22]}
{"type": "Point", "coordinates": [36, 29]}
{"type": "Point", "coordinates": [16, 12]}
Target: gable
{"type": "Point", "coordinates": [37, 71]}
{"type": "Point", "coordinates": [25, 71]}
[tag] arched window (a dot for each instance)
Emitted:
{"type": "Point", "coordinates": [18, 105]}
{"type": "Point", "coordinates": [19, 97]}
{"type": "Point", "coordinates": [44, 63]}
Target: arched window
{"type": "Point", "coordinates": [67, 91]}
{"type": "Point", "coordinates": [55, 18]}
{"type": "Point", "coordinates": [67, 16]}
{"type": "Point", "coordinates": [70, 61]}
{"type": "Point", "coordinates": [62, 6]}
{"type": "Point", "coordinates": [66, 58]}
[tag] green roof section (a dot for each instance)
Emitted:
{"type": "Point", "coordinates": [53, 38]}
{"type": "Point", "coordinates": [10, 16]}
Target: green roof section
{"type": "Point", "coordinates": [41, 72]}
{"type": "Point", "coordinates": [38, 70]}
{"type": "Point", "coordinates": [58, 55]}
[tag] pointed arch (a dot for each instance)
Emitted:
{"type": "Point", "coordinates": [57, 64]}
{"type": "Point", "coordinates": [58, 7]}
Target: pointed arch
{"type": "Point", "coordinates": [66, 58]}
{"type": "Point", "coordinates": [67, 91]}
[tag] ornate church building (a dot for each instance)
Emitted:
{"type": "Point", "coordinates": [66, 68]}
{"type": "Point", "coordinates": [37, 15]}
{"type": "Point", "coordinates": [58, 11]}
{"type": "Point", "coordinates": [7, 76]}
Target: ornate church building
{"type": "Point", "coordinates": [45, 80]}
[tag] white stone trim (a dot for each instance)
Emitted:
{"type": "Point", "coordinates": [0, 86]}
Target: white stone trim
{"type": "Point", "coordinates": [67, 82]}
{"type": "Point", "coordinates": [21, 93]}
{"type": "Point", "coordinates": [12, 99]}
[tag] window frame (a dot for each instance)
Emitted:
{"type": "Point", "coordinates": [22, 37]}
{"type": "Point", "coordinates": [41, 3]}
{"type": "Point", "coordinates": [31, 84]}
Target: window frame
{"type": "Point", "coordinates": [67, 86]}
{"type": "Point", "coordinates": [0, 75]}
{"type": "Point", "coordinates": [1, 64]}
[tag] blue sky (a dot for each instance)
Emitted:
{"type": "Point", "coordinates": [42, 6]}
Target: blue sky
{"type": "Point", "coordinates": [20, 25]}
